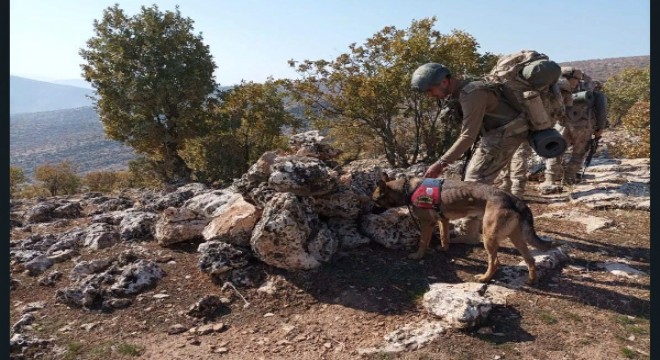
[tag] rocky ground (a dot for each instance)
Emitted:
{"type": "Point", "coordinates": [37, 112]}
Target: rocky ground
{"type": "Point", "coordinates": [293, 262]}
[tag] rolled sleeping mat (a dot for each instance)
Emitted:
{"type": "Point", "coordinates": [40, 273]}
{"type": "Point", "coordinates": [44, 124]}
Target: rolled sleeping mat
{"type": "Point", "coordinates": [583, 96]}
{"type": "Point", "coordinates": [541, 73]}
{"type": "Point", "coordinates": [548, 143]}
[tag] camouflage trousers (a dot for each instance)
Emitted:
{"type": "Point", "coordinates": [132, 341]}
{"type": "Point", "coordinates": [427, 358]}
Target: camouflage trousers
{"type": "Point", "coordinates": [565, 167]}
{"type": "Point", "coordinates": [513, 177]}
{"type": "Point", "coordinates": [494, 152]}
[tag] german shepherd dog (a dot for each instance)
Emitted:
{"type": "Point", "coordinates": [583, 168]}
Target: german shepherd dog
{"type": "Point", "coordinates": [504, 215]}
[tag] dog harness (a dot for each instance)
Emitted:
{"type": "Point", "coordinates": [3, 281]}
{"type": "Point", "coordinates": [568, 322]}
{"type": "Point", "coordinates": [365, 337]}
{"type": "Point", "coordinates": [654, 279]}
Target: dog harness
{"type": "Point", "coordinates": [427, 194]}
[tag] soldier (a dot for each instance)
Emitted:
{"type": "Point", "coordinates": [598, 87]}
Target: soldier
{"type": "Point", "coordinates": [513, 177]}
{"type": "Point", "coordinates": [599, 110]}
{"type": "Point", "coordinates": [587, 83]}
{"type": "Point", "coordinates": [569, 81]}
{"type": "Point", "coordinates": [483, 111]}
{"type": "Point", "coordinates": [577, 128]}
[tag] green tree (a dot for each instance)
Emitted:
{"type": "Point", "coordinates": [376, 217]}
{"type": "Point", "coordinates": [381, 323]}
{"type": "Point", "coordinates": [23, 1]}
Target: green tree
{"type": "Point", "coordinates": [153, 78]}
{"type": "Point", "coordinates": [58, 178]}
{"type": "Point", "coordinates": [16, 178]}
{"type": "Point", "coordinates": [367, 90]}
{"type": "Point", "coordinates": [625, 89]}
{"type": "Point", "coordinates": [248, 121]}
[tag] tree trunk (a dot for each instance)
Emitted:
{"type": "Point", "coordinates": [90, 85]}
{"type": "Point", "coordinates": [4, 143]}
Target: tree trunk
{"type": "Point", "coordinates": [176, 170]}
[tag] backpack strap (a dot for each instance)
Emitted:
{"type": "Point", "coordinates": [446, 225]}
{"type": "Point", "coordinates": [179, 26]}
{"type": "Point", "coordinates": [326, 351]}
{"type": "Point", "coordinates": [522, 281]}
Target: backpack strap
{"type": "Point", "coordinates": [506, 115]}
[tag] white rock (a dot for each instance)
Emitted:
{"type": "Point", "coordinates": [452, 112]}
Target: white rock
{"type": "Point", "coordinates": [621, 269]}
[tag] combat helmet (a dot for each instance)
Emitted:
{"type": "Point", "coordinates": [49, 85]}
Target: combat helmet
{"type": "Point", "coordinates": [428, 75]}
{"type": "Point", "coordinates": [598, 86]}
{"type": "Point", "coordinates": [571, 72]}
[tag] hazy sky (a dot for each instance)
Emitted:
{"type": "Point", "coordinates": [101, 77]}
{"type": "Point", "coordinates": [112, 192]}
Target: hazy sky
{"type": "Point", "coordinates": [253, 39]}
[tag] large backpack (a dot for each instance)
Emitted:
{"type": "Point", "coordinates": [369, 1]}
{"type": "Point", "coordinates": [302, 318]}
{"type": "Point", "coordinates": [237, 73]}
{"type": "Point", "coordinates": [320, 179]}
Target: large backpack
{"type": "Point", "coordinates": [525, 70]}
{"type": "Point", "coordinates": [529, 80]}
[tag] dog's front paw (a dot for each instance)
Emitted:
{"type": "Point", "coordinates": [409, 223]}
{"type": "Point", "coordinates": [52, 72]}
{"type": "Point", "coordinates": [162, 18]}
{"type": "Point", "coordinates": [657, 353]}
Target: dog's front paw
{"type": "Point", "coordinates": [531, 281]}
{"type": "Point", "coordinates": [443, 247]}
{"type": "Point", "coordinates": [482, 278]}
{"type": "Point", "coordinates": [415, 256]}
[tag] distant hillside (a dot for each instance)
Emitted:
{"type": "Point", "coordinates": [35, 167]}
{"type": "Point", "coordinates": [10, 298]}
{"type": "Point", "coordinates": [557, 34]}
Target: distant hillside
{"type": "Point", "coordinates": [28, 96]}
{"type": "Point", "coordinates": [75, 135]}
{"type": "Point", "coordinates": [603, 69]}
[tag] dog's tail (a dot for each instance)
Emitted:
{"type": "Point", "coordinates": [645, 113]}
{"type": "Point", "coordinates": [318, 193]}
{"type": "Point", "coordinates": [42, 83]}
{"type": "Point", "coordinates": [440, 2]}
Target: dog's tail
{"type": "Point", "coordinates": [527, 225]}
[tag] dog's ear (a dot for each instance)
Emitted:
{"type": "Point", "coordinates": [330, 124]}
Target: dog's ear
{"type": "Point", "coordinates": [381, 177]}
{"type": "Point", "coordinates": [384, 177]}
{"type": "Point", "coordinates": [382, 182]}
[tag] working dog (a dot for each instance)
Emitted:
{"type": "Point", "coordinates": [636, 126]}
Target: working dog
{"type": "Point", "coordinates": [504, 215]}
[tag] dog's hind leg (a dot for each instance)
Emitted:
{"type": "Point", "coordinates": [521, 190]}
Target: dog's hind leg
{"type": "Point", "coordinates": [443, 226]}
{"type": "Point", "coordinates": [427, 232]}
{"type": "Point", "coordinates": [518, 241]}
{"type": "Point", "coordinates": [491, 245]}
{"type": "Point", "coordinates": [497, 223]}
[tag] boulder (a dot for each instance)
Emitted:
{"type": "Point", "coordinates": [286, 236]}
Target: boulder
{"type": "Point", "coordinates": [290, 236]}
{"type": "Point", "coordinates": [301, 175]}
{"type": "Point", "coordinates": [394, 228]}
{"type": "Point", "coordinates": [179, 225]}
{"type": "Point", "coordinates": [233, 224]}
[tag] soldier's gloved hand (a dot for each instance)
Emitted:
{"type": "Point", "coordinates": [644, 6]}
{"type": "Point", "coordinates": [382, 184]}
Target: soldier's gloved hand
{"type": "Point", "coordinates": [598, 133]}
{"type": "Point", "coordinates": [436, 169]}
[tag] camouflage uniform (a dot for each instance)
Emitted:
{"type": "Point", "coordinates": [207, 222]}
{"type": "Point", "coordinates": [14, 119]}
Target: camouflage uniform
{"type": "Point", "coordinates": [483, 111]}
{"type": "Point", "coordinates": [577, 128]}
{"type": "Point", "coordinates": [513, 177]}
{"type": "Point", "coordinates": [577, 134]}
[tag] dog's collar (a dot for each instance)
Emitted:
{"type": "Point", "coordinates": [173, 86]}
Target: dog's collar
{"type": "Point", "coordinates": [408, 200]}
{"type": "Point", "coordinates": [407, 196]}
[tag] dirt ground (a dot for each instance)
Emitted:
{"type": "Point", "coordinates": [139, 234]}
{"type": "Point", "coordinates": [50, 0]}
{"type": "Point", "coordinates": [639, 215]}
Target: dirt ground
{"type": "Point", "coordinates": [577, 311]}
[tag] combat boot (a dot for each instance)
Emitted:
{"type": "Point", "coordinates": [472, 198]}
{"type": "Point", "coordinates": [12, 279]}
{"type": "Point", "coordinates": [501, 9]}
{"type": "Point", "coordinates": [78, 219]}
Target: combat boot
{"type": "Point", "coordinates": [519, 193]}
{"type": "Point", "coordinates": [549, 187]}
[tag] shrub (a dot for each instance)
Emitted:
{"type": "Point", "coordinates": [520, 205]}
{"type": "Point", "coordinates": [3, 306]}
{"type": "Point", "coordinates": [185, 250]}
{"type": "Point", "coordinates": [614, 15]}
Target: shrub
{"type": "Point", "coordinates": [109, 181]}
{"type": "Point", "coordinates": [103, 181]}
{"type": "Point", "coordinates": [32, 191]}
{"type": "Point", "coordinates": [16, 178]}
{"type": "Point", "coordinates": [637, 125]}
{"type": "Point", "coordinates": [626, 89]}
{"type": "Point", "coordinates": [143, 173]}
{"type": "Point", "coordinates": [59, 178]}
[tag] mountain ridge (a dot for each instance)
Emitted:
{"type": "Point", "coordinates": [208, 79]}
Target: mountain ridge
{"type": "Point", "coordinates": [29, 96]}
